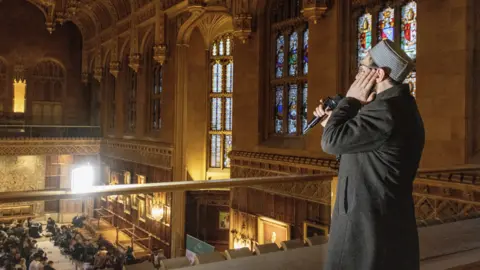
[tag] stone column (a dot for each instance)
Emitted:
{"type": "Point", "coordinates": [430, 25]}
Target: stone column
{"type": "Point", "coordinates": [179, 170]}
{"type": "Point", "coordinates": [443, 81]}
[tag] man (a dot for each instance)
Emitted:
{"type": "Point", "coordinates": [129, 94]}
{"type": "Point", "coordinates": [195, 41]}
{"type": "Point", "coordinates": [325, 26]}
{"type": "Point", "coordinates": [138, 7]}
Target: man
{"type": "Point", "coordinates": [379, 137]}
{"type": "Point", "coordinates": [49, 266]}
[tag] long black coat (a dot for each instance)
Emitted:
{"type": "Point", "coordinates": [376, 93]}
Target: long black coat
{"type": "Point", "coordinates": [373, 223]}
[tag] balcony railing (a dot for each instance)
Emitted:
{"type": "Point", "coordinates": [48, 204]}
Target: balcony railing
{"type": "Point", "coordinates": [49, 131]}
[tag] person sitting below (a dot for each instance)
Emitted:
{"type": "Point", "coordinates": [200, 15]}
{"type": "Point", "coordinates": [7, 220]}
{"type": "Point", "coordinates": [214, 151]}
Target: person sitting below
{"type": "Point", "coordinates": [129, 257]}
{"type": "Point", "coordinates": [77, 221]}
{"type": "Point", "coordinates": [157, 257]}
{"type": "Point", "coordinates": [35, 264]}
{"type": "Point", "coordinates": [49, 266]}
{"type": "Point", "coordinates": [100, 259]}
{"type": "Point", "coordinates": [51, 225]}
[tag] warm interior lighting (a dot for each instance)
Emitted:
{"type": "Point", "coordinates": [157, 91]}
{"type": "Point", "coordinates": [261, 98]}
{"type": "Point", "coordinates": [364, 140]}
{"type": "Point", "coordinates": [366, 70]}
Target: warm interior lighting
{"type": "Point", "coordinates": [19, 88]}
{"type": "Point", "coordinates": [157, 212]}
{"type": "Point", "coordinates": [82, 179]}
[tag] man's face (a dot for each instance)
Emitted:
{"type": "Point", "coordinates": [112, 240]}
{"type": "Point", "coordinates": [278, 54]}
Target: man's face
{"type": "Point", "coordinates": [366, 65]}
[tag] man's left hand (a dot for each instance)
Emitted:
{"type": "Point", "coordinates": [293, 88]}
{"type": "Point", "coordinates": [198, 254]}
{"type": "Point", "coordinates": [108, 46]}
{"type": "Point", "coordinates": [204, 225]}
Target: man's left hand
{"type": "Point", "coordinates": [360, 89]}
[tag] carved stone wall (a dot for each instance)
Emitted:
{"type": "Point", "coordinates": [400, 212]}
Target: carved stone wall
{"type": "Point", "coordinates": [49, 146]}
{"type": "Point", "coordinates": [292, 203]}
{"type": "Point", "coordinates": [22, 173]}
{"type": "Point", "coordinates": [141, 152]}
{"type": "Point", "coordinates": [439, 197]}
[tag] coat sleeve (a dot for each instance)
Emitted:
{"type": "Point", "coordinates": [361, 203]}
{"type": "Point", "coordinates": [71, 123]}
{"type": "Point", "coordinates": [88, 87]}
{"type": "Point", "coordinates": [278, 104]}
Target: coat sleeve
{"type": "Point", "coordinates": [352, 130]}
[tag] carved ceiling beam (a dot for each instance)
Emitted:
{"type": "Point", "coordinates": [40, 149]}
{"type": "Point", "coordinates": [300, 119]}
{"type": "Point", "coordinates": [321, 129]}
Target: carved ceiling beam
{"type": "Point", "coordinates": [243, 13]}
{"type": "Point", "coordinates": [114, 65]}
{"type": "Point", "coordinates": [85, 73]}
{"type": "Point", "coordinates": [314, 10]}
{"type": "Point", "coordinates": [160, 48]}
{"type": "Point", "coordinates": [135, 58]}
{"type": "Point", "coordinates": [213, 23]}
{"type": "Point", "coordinates": [98, 70]}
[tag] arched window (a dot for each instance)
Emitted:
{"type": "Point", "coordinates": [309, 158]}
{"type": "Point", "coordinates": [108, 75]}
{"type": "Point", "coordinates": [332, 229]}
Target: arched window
{"type": "Point", "coordinates": [220, 130]}
{"type": "Point", "coordinates": [154, 88]}
{"type": "Point", "coordinates": [409, 39]}
{"type": "Point", "coordinates": [130, 97]}
{"type": "Point", "coordinates": [3, 82]}
{"type": "Point", "coordinates": [392, 22]}
{"type": "Point", "coordinates": [110, 86]}
{"type": "Point", "coordinates": [48, 90]}
{"type": "Point", "coordinates": [288, 82]}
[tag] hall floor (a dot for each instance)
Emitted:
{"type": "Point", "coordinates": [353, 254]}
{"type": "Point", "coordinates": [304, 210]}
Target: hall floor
{"type": "Point", "coordinates": [61, 262]}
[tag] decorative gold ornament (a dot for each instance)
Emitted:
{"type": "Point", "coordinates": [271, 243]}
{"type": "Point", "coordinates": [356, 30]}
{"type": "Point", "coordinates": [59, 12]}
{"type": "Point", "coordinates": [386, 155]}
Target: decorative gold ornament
{"type": "Point", "coordinates": [134, 62]}
{"type": "Point", "coordinates": [160, 53]}
{"type": "Point", "coordinates": [85, 76]}
{"type": "Point", "coordinates": [114, 68]}
{"type": "Point", "coordinates": [242, 26]}
{"type": "Point", "coordinates": [314, 10]}
{"type": "Point", "coordinates": [98, 73]}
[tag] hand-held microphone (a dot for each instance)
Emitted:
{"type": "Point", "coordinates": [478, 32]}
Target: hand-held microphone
{"type": "Point", "coordinates": [328, 104]}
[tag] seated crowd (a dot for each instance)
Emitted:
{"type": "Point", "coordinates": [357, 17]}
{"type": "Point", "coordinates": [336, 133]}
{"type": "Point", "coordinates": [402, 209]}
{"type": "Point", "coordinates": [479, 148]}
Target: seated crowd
{"type": "Point", "coordinates": [19, 251]}
{"type": "Point", "coordinates": [18, 247]}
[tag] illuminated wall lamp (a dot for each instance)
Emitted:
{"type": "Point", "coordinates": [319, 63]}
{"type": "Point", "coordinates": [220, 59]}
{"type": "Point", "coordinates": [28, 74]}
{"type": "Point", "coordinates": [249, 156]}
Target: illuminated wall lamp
{"type": "Point", "coordinates": [157, 212]}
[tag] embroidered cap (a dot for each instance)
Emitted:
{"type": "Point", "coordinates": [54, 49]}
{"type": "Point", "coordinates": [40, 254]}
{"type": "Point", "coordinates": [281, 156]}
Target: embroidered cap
{"type": "Point", "coordinates": [387, 54]}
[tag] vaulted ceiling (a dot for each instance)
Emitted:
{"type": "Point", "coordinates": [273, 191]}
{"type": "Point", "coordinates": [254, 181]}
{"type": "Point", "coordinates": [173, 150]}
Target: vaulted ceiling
{"type": "Point", "coordinates": [91, 16]}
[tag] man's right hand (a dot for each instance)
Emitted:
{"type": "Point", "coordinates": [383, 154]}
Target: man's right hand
{"type": "Point", "coordinates": [319, 112]}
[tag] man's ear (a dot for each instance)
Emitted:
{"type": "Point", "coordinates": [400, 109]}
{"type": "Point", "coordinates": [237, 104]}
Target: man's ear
{"type": "Point", "coordinates": [381, 75]}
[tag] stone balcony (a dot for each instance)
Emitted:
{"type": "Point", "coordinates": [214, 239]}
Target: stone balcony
{"type": "Point", "coordinates": [49, 140]}
{"type": "Point", "coordinates": [452, 246]}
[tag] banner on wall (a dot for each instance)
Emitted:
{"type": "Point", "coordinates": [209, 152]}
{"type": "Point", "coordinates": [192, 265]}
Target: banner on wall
{"type": "Point", "coordinates": [196, 246]}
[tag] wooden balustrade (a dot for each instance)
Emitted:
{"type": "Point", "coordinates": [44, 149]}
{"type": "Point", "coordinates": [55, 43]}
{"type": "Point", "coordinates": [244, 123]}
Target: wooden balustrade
{"type": "Point", "coordinates": [134, 238]}
{"type": "Point", "coordinates": [98, 191]}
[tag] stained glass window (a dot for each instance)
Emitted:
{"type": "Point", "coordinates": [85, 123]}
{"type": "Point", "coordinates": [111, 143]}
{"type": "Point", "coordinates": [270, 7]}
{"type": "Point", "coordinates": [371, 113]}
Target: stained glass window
{"type": "Point", "coordinates": [130, 91]}
{"type": "Point", "coordinates": [217, 78]}
{"type": "Point", "coordinates": [221, 102]}
{"type": "Point", "coordinates": [221, 47]}
{"type": "Point", "coordinates": [409, 29]}
{"type": "Point", "coordinates": [228, 148]}
{"type": "Point", "coordinates": [304, 106]}
{"type": "Point", "coordinates": [293, 55]}
{"type": "Point", "coordinates": [292, 109]}
{"type": "Point", "coordinates": [156, 96]}
{"type": "Point", "coordinates": [228, 46]}
{"type": "Point", "coordinates": [215, 151]}
{"type": "Point", "coordinates": [216, 114]}
{"type": "Point", "coordinates": [386, 24]}
{"type": "Point", "coordinates": [110, 83]}
{"type": "Point", "coordinates": [412, 82]}
{"type": "Point", "coordinates": [305, 52]}
{"type": "Point", "coordinates": [364, 35]}
{"type": "Point", "coordinates": [229, 80]}
{"type": "Point", "coordinates": [228, 113]}
{"type": "Point", "coordinates": [279, 109]}
{"type": "Point", "coordinates": [280, 56]}
{"type": "Point", "coordinates": [409, 39]}
{"type": "Point", "coordinates": [290, 70]}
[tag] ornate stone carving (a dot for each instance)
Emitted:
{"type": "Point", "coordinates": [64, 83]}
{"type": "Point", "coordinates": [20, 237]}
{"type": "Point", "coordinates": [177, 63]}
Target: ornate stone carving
{"type": "Point", "coordinates": [85, 76]}
{"type": "Point", "coordinates": [160, 53]}
{"type": "Point", "coordinates": [139, 152]}
{"type": "Point", "coordinates": [242, 26]}
{"type": "Point", "coordinates": [114, 68]}
{"type": "Point", "coordinates": [135, 61]}
{"type": "Point", "coordinates": [98, 73]}
{"type": "Point", "coordinates": [313, 10]}
{"type": "Point", "coordinates": [48, 146]}
{"type": "Point", "coordinates": [249, 164]}
{"type": "Point", "coordinates": [439, 197]}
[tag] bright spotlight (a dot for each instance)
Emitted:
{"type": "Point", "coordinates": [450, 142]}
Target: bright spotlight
{"type": "Point", "coordinates": [82, 179]}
